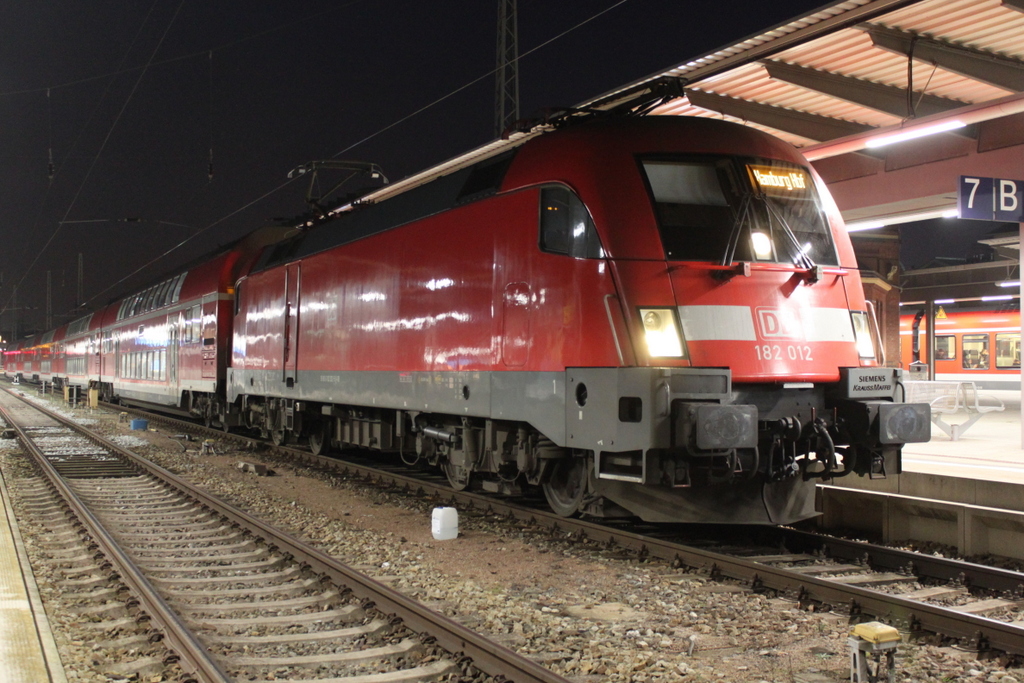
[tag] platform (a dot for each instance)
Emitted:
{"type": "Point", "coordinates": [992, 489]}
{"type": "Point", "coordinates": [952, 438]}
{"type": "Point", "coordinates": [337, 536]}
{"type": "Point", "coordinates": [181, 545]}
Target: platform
{"type": "Point", "coordinates": [985, 466]}
{"type": "Point", "coordinates": [28, 653]}
{"type": "Point", "coordinates": [990, 450]}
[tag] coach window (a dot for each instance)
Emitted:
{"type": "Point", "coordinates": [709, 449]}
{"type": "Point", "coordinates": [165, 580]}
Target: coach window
{"type": "Point", "coordinates": [136, 305]}
{"type": "Point", "coordinates": [176, 289]}
{"type": "Point", "coordinates": [192, 319]}
{"type": "Point", "coordinates": [1008, 350]}
{"type": "Point", "coordinates": [160, 299]}
{"type": "Point", "coordinates": [165, 293]}
{"type": "Point", "coordinates": [147, 302]}
{"type": "Point", "coordinates": [976, 351]}
{"type": "Point", "coordinates": [945, 347]}
{"type": "Point", "coordinates": [566, 226]}
{"type": "Point", "coordinates": [151, 298]}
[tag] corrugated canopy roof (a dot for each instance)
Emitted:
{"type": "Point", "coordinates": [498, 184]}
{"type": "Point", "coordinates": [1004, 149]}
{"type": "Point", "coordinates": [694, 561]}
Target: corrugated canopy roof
{"type": "Point", "coordinates": [845, 69]}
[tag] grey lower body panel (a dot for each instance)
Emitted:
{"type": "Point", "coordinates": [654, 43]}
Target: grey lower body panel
{"type": "Point", "coordinates": [157, 395]}
{"type": "Point", "coordinates": [537, 398]}
{"type": "Point", "coordinates": [552, 402]}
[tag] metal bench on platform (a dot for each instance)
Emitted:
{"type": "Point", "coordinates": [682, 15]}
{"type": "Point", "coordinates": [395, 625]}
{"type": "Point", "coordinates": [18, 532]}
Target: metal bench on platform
{"type": "Point", "coordinates": [951, 398]}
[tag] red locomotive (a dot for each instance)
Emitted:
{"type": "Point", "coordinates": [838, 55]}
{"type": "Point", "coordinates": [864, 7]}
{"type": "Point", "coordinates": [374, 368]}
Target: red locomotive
{"type": "Point", "coordinates": [658, 317]}
{"type": "Point", "coordinates": [980, 345]}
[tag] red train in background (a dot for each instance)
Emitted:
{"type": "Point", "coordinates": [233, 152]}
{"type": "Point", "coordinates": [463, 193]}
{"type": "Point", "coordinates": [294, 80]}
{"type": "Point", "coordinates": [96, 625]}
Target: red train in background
{"type": "Point", "coordinates": [657, 317]}
{"type": "Point", "coordinates": [972, 344]}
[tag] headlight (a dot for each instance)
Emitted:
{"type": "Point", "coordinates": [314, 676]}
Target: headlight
{"type": "Point", "coordinates": [862, 334]}
{"type": "Point", "coordinates": [662, 333]}
{"type": "Point", "coordinates": [904, 423]}
{"type": "Point", "coordinates": [762, 244]}
{"type": "Point", "coordinates": [730, 426]}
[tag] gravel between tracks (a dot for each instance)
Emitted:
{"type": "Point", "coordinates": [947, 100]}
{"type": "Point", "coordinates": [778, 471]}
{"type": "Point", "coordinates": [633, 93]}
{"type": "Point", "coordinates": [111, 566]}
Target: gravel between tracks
{"type": "Point", "coordinates": [588, 613]}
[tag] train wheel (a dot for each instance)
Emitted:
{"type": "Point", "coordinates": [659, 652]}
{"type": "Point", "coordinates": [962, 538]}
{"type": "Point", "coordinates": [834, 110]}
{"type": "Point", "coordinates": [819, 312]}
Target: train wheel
{"type": "Point", "coordinates": [566, 486]}
{"type": "Point", "coordinates": [319, 441]}
{"type": "Point", "coordinates": [278, 437]}
{"type": "Point", "coordinates": [458, 476]}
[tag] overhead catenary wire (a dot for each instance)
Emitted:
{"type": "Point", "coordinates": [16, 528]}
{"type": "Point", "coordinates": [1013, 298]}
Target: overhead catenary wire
{"type": "Point", "coordinates": [380, 131]}
{"type": "Point", "coordinates": [103, 144]}
{"type": "Point", "coordinates": [49, 133]}
{"type": "Point", "coordinates": [54, 168]}
{"type": "Point", "coordinates": [478, 79]}
{"type": "Point", "coordinates": [209, 169]}
{"type": "Point", "coordinates": [350, 147]}
{"type": "Point", "coordinates": [171, 60]}
{"type": "Point", "coordinates": [191, 237]}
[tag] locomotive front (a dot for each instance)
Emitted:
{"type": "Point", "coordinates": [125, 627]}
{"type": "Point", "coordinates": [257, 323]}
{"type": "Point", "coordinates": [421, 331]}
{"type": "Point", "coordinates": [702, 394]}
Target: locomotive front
{"type": "Point", "coordinates": [754, 369]}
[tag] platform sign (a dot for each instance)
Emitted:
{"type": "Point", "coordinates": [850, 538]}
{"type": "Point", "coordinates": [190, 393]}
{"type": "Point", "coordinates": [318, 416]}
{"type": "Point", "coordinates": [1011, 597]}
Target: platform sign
{"type": "Point", "coordinates": [991, 199]}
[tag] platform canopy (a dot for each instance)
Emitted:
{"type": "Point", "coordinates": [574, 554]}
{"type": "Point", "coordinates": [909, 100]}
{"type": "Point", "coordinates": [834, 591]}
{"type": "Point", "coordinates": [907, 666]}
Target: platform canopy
{"type": "Point", "coordinates": [840, 81]}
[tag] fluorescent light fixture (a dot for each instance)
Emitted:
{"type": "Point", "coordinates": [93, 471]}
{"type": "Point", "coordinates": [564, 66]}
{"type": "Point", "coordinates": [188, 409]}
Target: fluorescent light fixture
{"type": "Point", "coordinates": [875, 223]}
{"type": "Point", "coordinates": [1005, 297]}
{"type": "Point", "coordinates": [943, 301]}
{"type": "Point", "coordinates": [913, 133]}
{"type": "Point", "coordinates": [1008, 283]}
{"type": "Point", "coordinates": [864, 225]}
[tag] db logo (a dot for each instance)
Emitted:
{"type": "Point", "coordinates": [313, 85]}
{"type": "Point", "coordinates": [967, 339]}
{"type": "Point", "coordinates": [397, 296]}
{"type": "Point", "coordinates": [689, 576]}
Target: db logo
{"type": "Point", "coordinates": [778, 324]}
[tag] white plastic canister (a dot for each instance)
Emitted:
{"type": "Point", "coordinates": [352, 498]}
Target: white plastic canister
{"type": "Point", "coordinates": [444, 523]}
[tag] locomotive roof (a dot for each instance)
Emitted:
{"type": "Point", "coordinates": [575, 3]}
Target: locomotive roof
{"type": "Point", "coordinates": [570, 118]}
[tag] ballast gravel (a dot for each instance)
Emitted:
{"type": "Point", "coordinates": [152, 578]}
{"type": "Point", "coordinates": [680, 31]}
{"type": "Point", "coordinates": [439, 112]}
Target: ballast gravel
{"type": "Point", "coordinates": [588, 613]}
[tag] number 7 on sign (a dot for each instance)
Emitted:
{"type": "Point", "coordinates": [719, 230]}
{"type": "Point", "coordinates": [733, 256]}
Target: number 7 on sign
{"type": "Point", "coordinates": [974, 183]}
{"type": "Point", "coordinates": [974, 198]}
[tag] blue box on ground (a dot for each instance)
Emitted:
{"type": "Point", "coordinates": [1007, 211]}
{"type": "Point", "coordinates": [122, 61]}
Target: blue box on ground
{"type": "Point", "coordinates": [138, 425]}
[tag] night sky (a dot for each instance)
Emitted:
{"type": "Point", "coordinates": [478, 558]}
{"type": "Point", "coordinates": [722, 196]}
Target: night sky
{"type": "Point", "coordinates": [130, 101]}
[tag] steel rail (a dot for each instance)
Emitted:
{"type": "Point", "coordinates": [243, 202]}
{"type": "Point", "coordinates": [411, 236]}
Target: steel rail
{"type": "Point", "coordinates": [486, 655]}
{"type": "Point", "coordinates": [194, 658]}
{"type": "Point", "coordinates": [894, 559]}
{"type": "Point", "coordinates": [985, 633]}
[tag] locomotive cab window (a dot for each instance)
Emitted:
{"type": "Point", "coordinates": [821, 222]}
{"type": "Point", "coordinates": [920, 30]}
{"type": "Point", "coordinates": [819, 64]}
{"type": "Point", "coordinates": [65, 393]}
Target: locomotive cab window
{"type": "Point", "coordinates": [975, 352]}
{"type": "Point", "coordinates": [945, 347]}
{"type": "Point", "coordinates": [566, 226]}
{"type": "Point", "coordinates": [1008, 350]}
{"type": "Point", "coordinates": [726, 210]}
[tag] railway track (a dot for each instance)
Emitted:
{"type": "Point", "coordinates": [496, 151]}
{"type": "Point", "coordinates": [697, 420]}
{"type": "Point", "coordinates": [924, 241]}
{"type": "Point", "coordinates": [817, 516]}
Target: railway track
{"type": "Point", "coordinates": [230, 597]}
{"type": "Point", "coordinates": [977, 606]}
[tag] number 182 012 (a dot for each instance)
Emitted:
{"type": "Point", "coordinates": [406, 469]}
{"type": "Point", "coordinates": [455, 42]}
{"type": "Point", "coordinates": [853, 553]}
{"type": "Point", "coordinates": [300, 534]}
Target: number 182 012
{"type": "Point", "coordinates": [783, 352]}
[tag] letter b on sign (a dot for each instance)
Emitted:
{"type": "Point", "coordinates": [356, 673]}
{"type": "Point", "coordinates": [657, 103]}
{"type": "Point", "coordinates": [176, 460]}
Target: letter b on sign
{"type": "Point", "coordinates": [1009, 200]}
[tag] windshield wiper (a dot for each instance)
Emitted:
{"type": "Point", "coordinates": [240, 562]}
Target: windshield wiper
{"type": "Point", "coordinates": [802, 259]}
{"type": "Point", "coordinates": [737, 228]}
